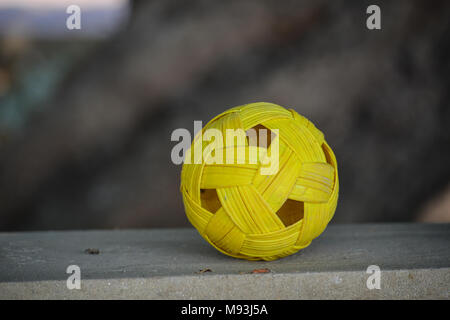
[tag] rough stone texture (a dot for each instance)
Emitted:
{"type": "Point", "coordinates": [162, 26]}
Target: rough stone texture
{"type": "Point", "coordinates": [165, 264]}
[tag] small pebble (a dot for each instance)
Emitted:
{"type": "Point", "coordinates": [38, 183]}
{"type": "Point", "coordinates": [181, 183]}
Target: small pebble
{"type": "Point", "coordinates": [92, 251]}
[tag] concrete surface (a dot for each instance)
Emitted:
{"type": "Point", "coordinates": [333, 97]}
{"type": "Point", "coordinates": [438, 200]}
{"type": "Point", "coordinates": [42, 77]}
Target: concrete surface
{"type": "Point", "coordinates": [164, 264]}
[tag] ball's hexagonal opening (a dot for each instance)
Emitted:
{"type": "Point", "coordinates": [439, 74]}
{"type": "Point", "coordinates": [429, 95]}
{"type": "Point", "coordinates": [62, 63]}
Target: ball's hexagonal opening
{"type": "Point", "coordinates": [210, 200]}
{"type": "Point", "coordinates": [291, 212]}
{"type": "Point", "coordinates": [259, 139]}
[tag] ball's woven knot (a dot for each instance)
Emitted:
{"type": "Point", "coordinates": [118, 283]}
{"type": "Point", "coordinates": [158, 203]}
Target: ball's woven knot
{"type": "Point", "coordinates": [246, 214]}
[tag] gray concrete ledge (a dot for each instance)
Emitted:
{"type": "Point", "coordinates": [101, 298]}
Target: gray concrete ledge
{"type": "Point", "coordinates": [165, 263]}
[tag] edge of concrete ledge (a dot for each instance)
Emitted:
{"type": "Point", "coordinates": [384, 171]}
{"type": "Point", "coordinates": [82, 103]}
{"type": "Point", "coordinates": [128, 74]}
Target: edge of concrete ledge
{"type": "Point", "coordinates": [395, 284]}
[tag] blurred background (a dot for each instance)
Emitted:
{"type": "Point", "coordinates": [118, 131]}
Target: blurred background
{"type": "Point", "coordinates": [86, 115]}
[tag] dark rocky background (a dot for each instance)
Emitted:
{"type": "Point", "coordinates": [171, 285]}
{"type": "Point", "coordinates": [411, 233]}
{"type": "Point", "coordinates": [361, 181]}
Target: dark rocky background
{"type": "Point", "coordinates": [85, 134]}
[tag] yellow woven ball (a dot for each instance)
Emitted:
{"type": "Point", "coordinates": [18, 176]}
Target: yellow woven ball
{"type": "Point", "coordinates": [245, 212]}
